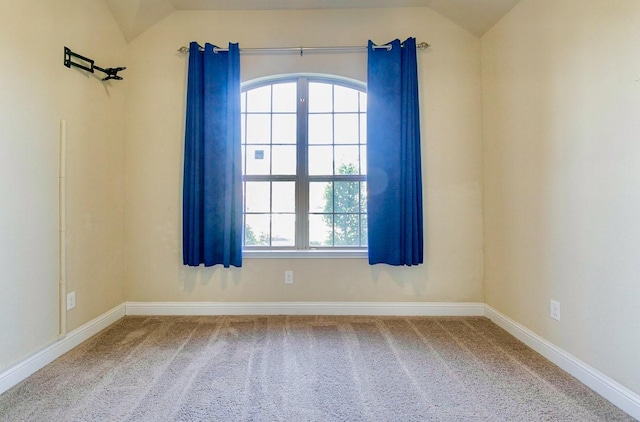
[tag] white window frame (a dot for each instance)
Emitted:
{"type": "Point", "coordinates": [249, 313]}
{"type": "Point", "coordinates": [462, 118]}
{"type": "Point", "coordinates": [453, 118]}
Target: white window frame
{"type": "Point", "coordinates": [301, 251]}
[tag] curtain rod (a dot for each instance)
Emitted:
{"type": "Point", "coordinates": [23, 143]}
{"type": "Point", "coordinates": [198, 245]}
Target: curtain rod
{"type": "Point", "coordinates": [420, 46]}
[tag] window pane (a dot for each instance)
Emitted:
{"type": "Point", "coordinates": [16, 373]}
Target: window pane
{"type": "Point", "coordinates": [243, 118]}
{"type": "Point", "coordinates": [284, 129]}
{"type": "Point", "coordinates": [256, 230]}
{"type": "Point", "coordinates": [363, 160]}
{"type": "Point", "coordinates": [320, 129]}
{"type": "Point", "coordinates": [346, 99]}
{"type": "Point", "coordinates": [258, 128]}
{"type": "Point", "coordinates": [320, 160]}
{"type": "Point", "coordinates": [346, 196]}
{"type": "Point", "coordinates": [363, 101]}
{"type": "Point", "coordinates": [363, 227]}
{"type": "Point", "coordinates": [346, 128]}
{"type": "Point", "coordinates": [243, 151]}
{"type": "Point", "coordinates": [258, 159]}
{"type": "Point", "coordinates": [283, 230]}
{"type": "Point", "coordinates": [320, 97]}
{"type": "Point", "coordinates": [257, 197]}
{"type": "Point", "coordinates": [346, 229]}
{"type": "Point", "coordinates": [363, 128]}
{"type": "Point", "coordinates": [284, 97]}
{"type": "Point", "coordinates": [259, 99]}
{"type": "Point", "coordinates": [321, 197]}
{"type": "Point", "coordinates": [284, 160]}
{"type": "Point", "coordinates": [320, 230]}
{"type": "Point", "coordinates": [284, 197]}
{"type": "Point", "coordinates": [347, 160]}
{"type": "Point", "coordinates": [363, 197]}
{"type": "Point", "coordinates": [243, 102]}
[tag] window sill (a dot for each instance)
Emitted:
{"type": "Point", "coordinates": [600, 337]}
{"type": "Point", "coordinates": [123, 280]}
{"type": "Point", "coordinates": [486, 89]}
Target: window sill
{"type": "Point", "coordinates": [305, 254]}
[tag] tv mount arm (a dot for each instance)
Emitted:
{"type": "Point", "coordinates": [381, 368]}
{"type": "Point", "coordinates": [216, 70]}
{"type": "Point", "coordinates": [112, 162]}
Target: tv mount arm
{"type": "Point", "coordinates": [89, 65]}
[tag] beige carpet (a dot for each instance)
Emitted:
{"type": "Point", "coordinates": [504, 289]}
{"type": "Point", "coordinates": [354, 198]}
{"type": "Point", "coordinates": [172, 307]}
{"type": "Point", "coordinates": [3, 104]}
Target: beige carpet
{"type": "Point", "coordinates": [303, 369]}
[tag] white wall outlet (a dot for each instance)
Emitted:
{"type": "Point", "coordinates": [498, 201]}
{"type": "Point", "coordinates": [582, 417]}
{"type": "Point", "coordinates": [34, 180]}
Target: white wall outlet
{"type": "Point", "coordinates": [71, 301]}
{"type": "Point", "coordinates": [554, 310]}
{"type": "Point", "coordinates": [288, 277]}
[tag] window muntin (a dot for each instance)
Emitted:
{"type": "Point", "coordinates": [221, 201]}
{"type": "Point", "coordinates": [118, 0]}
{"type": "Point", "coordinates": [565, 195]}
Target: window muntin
{"type": "Point", "coordinates": [304, 164]}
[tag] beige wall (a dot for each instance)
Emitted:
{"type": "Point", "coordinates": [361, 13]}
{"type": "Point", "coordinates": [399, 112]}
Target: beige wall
{"type": "Point", "coordinates": [450, 98]}
{"type": "Point", "coordinates": [38, 91]}
{"type": "Point", "coordinates": [561, 107]}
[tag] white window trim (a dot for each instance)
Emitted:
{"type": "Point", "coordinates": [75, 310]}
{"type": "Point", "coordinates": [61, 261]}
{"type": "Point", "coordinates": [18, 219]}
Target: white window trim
{"type": "Point", "coordinates": [359, 253]}
{"type": "Point", "coordinates": [273, 78]}
{"type": "Point", "coordinates": [305, 254]}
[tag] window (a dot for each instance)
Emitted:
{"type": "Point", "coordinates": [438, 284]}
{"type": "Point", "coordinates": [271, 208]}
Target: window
{"type": "Point", "coordinates": [304, 164]}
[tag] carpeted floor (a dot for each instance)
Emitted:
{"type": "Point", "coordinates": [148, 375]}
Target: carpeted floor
{"type": "Point", "coordinates": [277, 368]}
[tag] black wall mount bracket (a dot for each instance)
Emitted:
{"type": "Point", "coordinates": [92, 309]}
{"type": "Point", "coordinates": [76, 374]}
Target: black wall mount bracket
{"type": "Point", "coordinates": [89, 65]}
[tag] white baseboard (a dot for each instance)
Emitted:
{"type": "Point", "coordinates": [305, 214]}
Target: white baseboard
{"type": "Point", "coordinates": [62, 345]}
{"type": "Point", "coordinates": [305, 308]}
{"type": "Point", "coordinates": [616, 393]}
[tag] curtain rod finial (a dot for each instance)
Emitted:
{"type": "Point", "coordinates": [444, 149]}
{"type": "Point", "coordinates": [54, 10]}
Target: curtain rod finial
{"type": "Point", "coordinates": [423, 45]}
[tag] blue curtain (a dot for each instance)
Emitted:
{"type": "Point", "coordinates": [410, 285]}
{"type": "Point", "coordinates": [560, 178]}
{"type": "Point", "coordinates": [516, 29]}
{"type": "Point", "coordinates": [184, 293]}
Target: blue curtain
{"type": "Point", "coordinates": [394, 175]}
{"type": "Point", "coordinates": [212, 191]}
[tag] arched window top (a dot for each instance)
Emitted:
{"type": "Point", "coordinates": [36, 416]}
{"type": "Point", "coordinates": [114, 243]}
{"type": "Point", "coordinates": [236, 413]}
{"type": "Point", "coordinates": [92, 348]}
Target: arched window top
{"type": "Point", "coordinates": [319, 77]}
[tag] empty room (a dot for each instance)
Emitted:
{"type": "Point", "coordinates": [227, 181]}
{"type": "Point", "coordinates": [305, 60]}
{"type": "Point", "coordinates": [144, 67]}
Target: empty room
{"type": "Point", "coordinates": [319, 210]}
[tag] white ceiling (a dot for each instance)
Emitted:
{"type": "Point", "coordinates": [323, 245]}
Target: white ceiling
{"type": "Point", "coordinates": [136, 16]}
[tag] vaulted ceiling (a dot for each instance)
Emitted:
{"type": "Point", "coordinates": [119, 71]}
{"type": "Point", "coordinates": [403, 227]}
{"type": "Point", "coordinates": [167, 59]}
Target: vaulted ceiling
{"type": "Point", "coordinates": [136, 16]}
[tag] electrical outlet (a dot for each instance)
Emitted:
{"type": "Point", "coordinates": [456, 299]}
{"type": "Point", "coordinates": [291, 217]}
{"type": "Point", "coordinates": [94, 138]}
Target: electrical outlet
{"type": "Point", "coordinates": [288, 277]}
{"type": "Point", "coordinates": [554, 310]}
{"type": "Point", "coordinates": [71, 301]}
